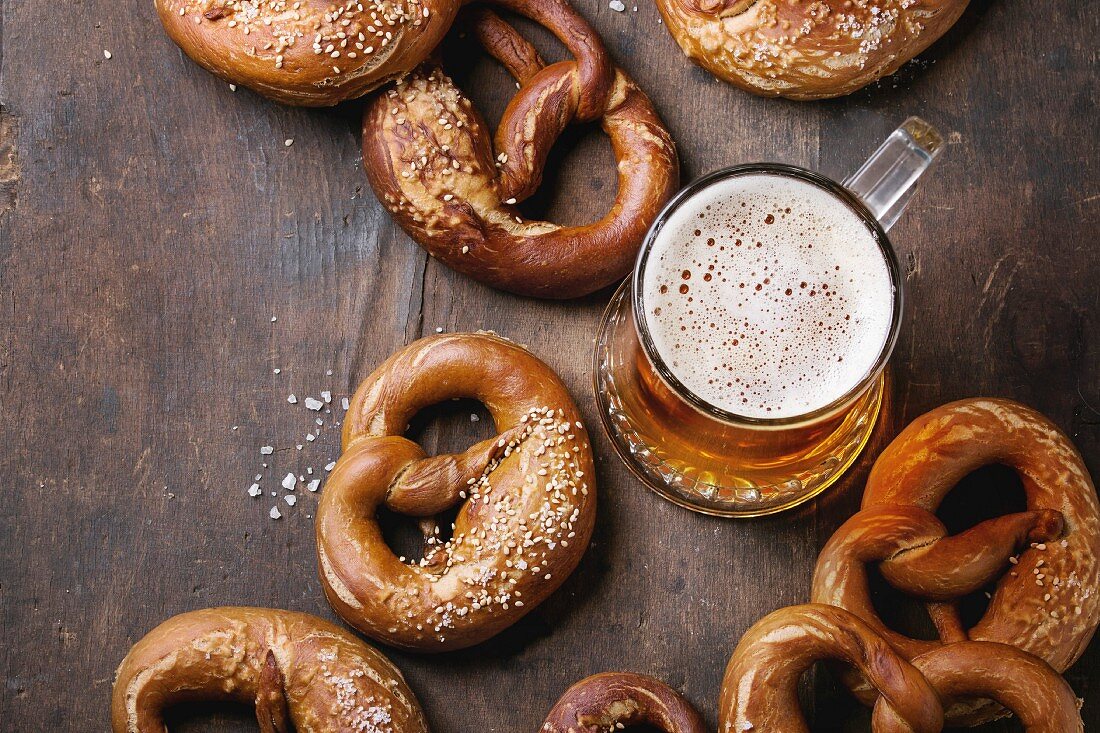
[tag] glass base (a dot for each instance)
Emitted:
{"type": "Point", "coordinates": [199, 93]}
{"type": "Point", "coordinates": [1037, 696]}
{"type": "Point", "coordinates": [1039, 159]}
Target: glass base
{"type": "Point", "coordinates": [706, 465]}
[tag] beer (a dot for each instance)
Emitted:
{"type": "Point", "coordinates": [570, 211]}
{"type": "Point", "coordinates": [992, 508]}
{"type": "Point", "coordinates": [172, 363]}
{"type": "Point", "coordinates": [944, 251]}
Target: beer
{"type": "Point", "coordinates": [766, 297]}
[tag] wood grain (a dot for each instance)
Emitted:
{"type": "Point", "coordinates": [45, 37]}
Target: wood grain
{"type": "Point", "coordinates": [152, 222]}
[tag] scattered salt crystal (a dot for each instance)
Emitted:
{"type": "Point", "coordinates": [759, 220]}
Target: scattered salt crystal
{"type": "Point", "coordinates": [345, 403]}
{"type": "Point", "coordinates": [276, 371]}
{"type": "Point", "coordinates": [439, 329]}
{"type": "Point", "coordinates": [474, 418]}
{"type": "Point", "coordinates": [328, 373]}
{"type": "Point", "coordinates": [254, 490]}
{"type": "Point", "coordinates": [266, 450]}
{"type": "Point", "coordinates": [319, 421]}
{"type": "Point", "coordinates": [312, 485]}
{"type": "Point", "coordinates": [330, 466]}
{"type": "Point", "coordinates": [106, 54]}
{"type": "Point", "coordinates": [273, 319]}
{"type": "Point", "coordinates": [313, 404]}
{"type": "Point", "coordinates": [288, 142]}
{"type": "Point", "coordinates": [617, 6]}
{"type": "Point", "coordinates": [275, 513]}
{"type": "Point", "coordinates": [290, 499]}
{"type": "Point", "coordinates": [326, 396]}
{"type": "Point", "coordinates": [289, 481]}
{"type": "Point", "coordinates": [310, 470]}
{"type": "Point", "coordinates": [293, 400]}
{"type": "Point", "coordinates": [311, 437]}
{"type": "Point", "coordinates": [257, 477]}
{"type": "Point", "coordinates": [232, 87]}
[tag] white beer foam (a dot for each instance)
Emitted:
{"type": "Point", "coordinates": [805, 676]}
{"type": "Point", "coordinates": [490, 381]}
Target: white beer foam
{"type": "Point", "coordinates": [767, 296]}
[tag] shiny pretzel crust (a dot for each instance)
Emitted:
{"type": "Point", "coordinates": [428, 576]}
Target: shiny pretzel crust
{"type": "Point", "coordinates": [431, 161]}
{"type": "Point", "coordinates": [1047, 600]}
{"type": "Point", "coordinates": [614, 700]}
{"type": "Point", "coordinates": [806, 49]}
{"type": "Point", "coordinates": [296, 668]}
{"type": "Point", "coordinates": [528, 497]}
{"type": "Point", "coordinates": [308, 52]}
{"type": "Point", "coordinates": [760, 687]}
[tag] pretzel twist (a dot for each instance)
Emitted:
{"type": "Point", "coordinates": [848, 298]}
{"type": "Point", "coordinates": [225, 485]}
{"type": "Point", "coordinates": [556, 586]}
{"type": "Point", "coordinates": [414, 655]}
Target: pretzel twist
{"type": "Point", "coordinates": [528, 498]}
{"type": "Point", "coordinates": [760, 687]}
{"type": "Point", "coordinates": [806, 50]}
{"type": "Point", "coordinates": [1047, 603]}
{"type": "Point", "coordinates": [301, 673]}
{"type": "Point", "coordinates": [614, 700]}
{"type": "Point", "coordinates": [428, 156]}
{"type": "Point", "coordinates": [308, 52]}
{"type": "Point", "coordinates": [1026, 685]}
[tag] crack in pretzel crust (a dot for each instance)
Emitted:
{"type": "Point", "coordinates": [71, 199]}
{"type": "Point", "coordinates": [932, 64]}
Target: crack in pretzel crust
{"type": "Point", "coordinates": [528, 497]}
{"type": "Point", "coordinates": [432, 163]}
{"type": "Point", "coordinates": [1044, 562]}
{"type": "Point", "coordinates": [297, 669]}
{"type": "Point", "coordinates": [611, 701]}
{"type": "Point", "coordinates": [308, 52]}
{"type": "Point", "coordinates": [803, 49]}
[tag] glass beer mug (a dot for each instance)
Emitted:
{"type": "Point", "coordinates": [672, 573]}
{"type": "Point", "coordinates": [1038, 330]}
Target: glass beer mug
{"type": "Point", "coordinates": [739, 370]}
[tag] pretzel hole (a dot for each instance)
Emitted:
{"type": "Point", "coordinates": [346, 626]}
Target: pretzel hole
{"type": "Point", "coordinates": [899, 611]}
{"type": "Point", "coordinates": [580, 178]}
{"type": "Point", "coordinates": [985, 493]}
{"type": "Point", "coordinates": [206, 715]}
{"type": "Point", "coordinates": [439, 429]}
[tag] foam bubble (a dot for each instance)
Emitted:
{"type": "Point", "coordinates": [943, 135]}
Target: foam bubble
{"type": "Point", "coordinates": [767, 297]}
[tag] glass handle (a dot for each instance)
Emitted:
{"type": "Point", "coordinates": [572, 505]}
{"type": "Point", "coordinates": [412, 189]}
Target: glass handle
{"type": "Point", "coordinates": [888, 179]}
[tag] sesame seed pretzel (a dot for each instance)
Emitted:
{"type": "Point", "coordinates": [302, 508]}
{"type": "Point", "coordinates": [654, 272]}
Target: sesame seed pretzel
{"type": "Point", "coordinates": [806, 50]}
{"type": "Point", "coordinates": [528, 498]}
{"type": "Point", "coordinates": [1048, 601]}
{"type": "Point", "coordinates": [432, 164]}
{"type": "Point", "coordinates": [760, 687]}
{"type": "Point", "coordinates": [302, 673]}
{"type": "Point", "coordinates": [612, 701]}
{"type": "Point", "coordinates": [1042, 700]}
{"type": "Point", "coordinates": [308, 52]}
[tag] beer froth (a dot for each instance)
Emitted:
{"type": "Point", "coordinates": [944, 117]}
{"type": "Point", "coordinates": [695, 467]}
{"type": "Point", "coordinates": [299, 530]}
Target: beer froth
{"type": "Point", "coordinates": [767, 296]}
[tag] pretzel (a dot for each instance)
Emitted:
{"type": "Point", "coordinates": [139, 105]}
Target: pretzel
{"type": "Point", "coordinates": [806, 50]}
{"type": "Point", "coordinates": [428, 155]}
{"type": "Point", "coordinates": [302, 673]}
{"type": "Point", "coordinates": [1047, 604]}
{"type": "Point", "coordinates": [760, 687]}
{"type": "Point", "coordinates": [615, 700]}
{"type": "Point", "coordinates": [528, 497]}
{"type": "Point", "coordinates": [1024, 684]}
{"type": "Point", "coordinates": [308, 52]}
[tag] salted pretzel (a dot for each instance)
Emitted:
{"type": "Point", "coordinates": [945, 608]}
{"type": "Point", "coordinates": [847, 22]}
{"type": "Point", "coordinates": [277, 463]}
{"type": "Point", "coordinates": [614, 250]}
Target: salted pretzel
{"type": "Point", "coordinates": [430, 160]}
{"type": "Point", "coordinates": [760, 687]}
{"type": "Point", "coordinates": [527, 497]}
{"type": "Point", "coordinates": [1047, 598]}
{"type": "Point", "coordinates": [1042, 700]}
{"type": "Point", "coordinates": [806, 50]}
{"type": "Point", "coordinates": [308, 52]}
{"type": "Point", "coordinates": [612, 701]}
{"type": "Point", "coordinates": [301, 673]}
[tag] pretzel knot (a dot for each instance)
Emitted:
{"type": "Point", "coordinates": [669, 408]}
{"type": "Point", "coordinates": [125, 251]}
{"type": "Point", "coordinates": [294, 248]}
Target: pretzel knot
{"type": "Point", "coordinates": [430, 161]}
{"type": "Point", "coordinates": [299, 671]}
{"type": "Point", "coordinates": [1044, 560]}
{"type": "Point", "coordinates": [760, 687]}
{"type": "Point", "coordinates": [612, 701]}
{"type": "Point", "coordinates": [1024, 684]}
{"type": "Point", "coordinates": [528, 497]}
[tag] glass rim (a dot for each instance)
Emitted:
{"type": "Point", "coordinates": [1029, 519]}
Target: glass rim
{"type": "Point", "coordinates": [838, 191]}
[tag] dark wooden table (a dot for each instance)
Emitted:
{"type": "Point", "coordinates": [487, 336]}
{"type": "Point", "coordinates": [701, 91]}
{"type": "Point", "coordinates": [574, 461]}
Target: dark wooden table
{"type": "Point", "coordinates": [163, 252]}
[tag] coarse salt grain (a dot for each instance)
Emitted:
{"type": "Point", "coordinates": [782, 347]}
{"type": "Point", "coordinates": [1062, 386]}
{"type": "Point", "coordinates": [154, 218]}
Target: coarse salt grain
{"type": "Point", "coordinates": [330, 466]}
{"type": "Point", "coordinates": [326, 396]}
{"type": "Point", "coordinates": [266, 450]}
{"type": "Point", "coordinates": [290, 499]}
{"type": "Point", "coordinates": [275, 513]}
{"type": "Point", "coordinates": [314, 484]}
{"type": "Point", "coordinates": [289, 481]}
{"type": "Point", "coordinates": [254, 490]}
{"type": "Point", "coordinates": [292, 399]}
{"type": "Point", "coordinates": [313, 404]}
{"type": "Point", "coordinates": [617, 6]}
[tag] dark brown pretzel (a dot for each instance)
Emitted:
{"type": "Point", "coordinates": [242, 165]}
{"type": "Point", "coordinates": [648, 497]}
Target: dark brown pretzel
{"type": "Point", "coordinates": [1048, 601]}
{"type": "Point", "coordinates": [428, 156]}
{"type": "Point", "coordinates": [1024, 684]}
{"type": "Point", "coordinates": [308, 52]}
{"type": "Point", "coordinates": [302, 673]}
{"type": "Point", "coordinates": [760, 687]}
{"type": "Point", "coordinates": [806, 50]}
{"type": "Point", "coordinates": [528, 497]}
{"type": "Point", "coordinates": [611, 701]}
